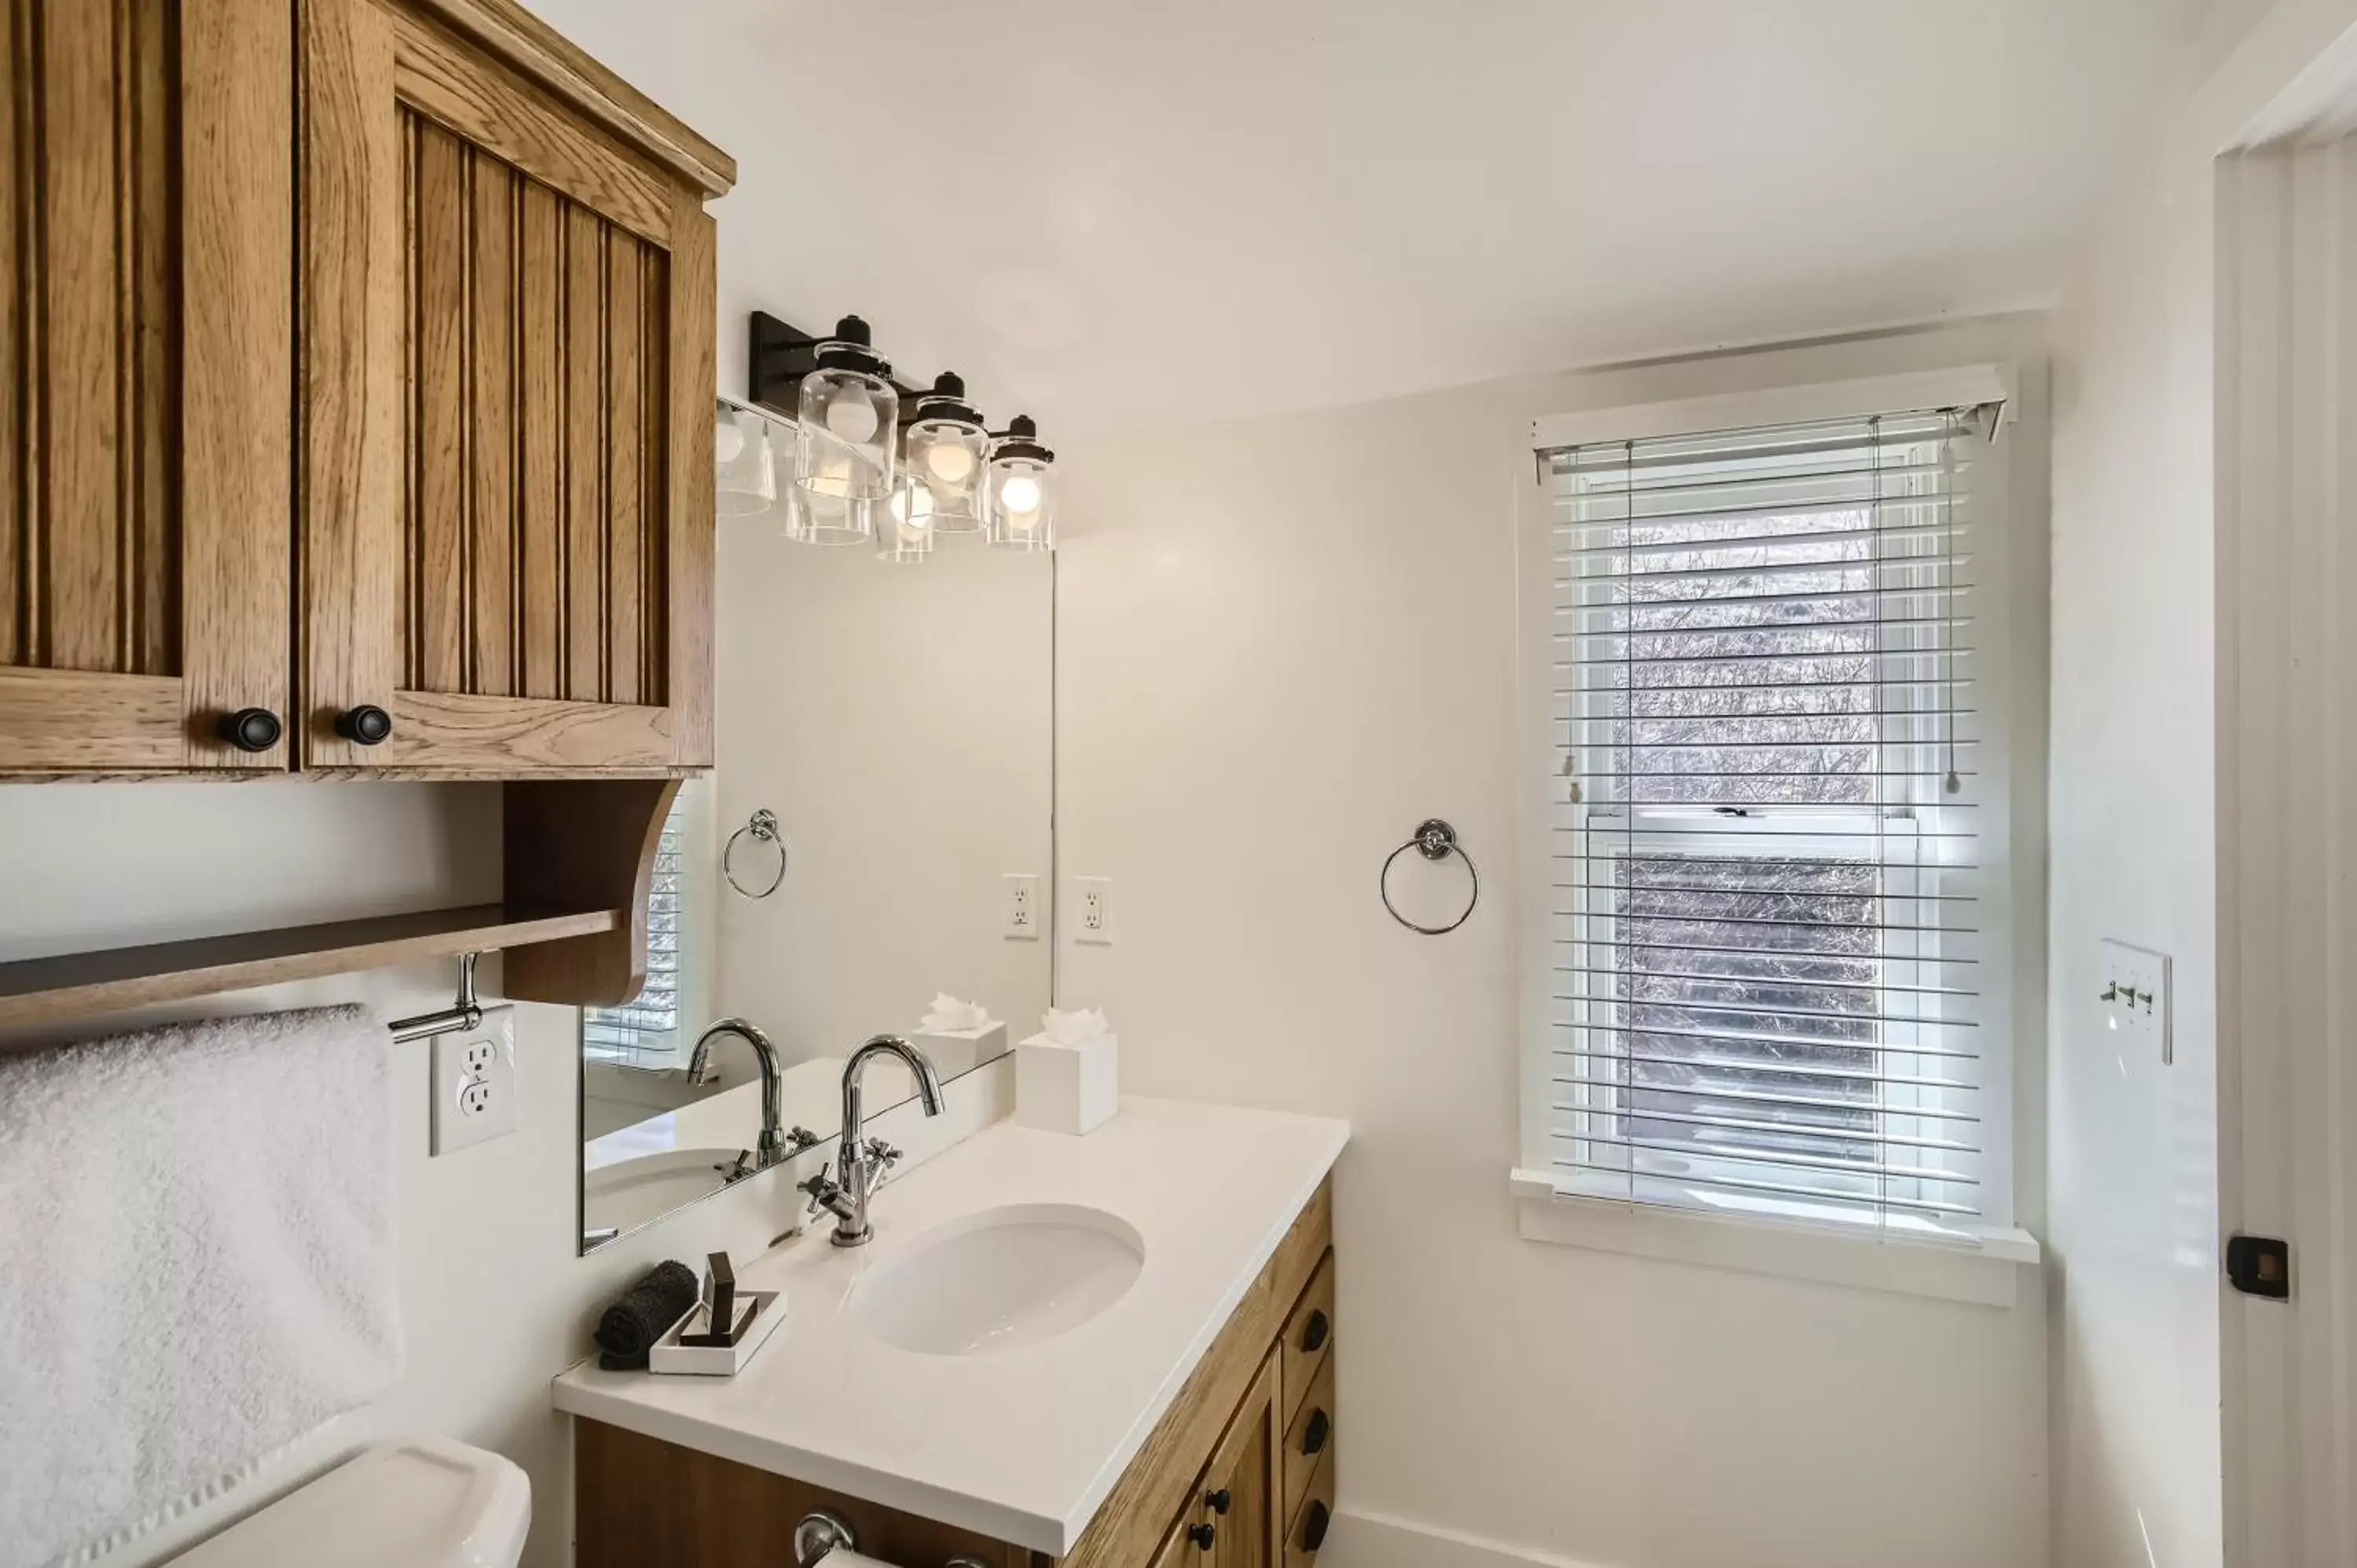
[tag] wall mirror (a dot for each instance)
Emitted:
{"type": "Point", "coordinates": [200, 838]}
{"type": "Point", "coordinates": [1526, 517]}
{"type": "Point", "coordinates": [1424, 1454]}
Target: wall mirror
{"type": "Point", "coordinates": [895, 721]}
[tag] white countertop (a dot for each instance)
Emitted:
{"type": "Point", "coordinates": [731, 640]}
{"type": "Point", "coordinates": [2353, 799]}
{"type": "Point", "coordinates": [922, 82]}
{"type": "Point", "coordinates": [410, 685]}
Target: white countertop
{"type": "Point", "coordinates": [1020, 1444]}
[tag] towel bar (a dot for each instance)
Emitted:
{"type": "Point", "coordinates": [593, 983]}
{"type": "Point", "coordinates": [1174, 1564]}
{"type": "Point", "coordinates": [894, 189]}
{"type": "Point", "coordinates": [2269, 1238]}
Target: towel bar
{"type": "Point", "coordinates": [467, 1013]}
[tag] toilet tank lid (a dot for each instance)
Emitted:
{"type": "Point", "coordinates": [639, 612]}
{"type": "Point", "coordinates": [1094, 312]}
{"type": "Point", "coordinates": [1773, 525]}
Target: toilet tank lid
{"type": "Point", "coordinates": [417, 1502]}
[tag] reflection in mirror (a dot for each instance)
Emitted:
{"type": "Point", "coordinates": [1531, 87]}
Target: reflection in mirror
{"type": "Point", "coordinates": [895, 723]}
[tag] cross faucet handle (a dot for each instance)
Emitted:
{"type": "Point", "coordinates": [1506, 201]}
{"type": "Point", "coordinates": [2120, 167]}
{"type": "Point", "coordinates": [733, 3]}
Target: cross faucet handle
{"type": "Point", "coordinates": [822, 1189]}
{"type": "Point", "coordinates": [882, 1153]}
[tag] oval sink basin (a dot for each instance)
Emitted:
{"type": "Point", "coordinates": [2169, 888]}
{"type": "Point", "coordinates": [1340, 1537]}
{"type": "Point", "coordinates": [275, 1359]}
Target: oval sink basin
{"type": "Point", "coordinates": [629, 1193]}
{"type": "Point", "coordinates": [1000, 1280]}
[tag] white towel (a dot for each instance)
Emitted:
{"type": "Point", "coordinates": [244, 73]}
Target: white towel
{"type": "Point", "coordinates": [197, 1264]}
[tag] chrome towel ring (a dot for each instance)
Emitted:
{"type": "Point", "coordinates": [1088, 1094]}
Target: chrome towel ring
{"type": "Point", "coordinates": [763, 826]}
{"type": "Point", "coordinates": [1435, 840]}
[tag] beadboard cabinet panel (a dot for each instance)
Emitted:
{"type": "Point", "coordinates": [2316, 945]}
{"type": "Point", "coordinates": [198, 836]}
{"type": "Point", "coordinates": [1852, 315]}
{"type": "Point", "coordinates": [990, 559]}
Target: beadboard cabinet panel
{"type": "Point", "coordinates": [147, 322]}
{"type": "Point", "coordinates": [507, 329]}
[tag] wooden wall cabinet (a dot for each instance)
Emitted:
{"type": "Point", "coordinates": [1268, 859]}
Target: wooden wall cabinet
{"type": "Point", "coordinates": [355, 356]}
{"type": "Point", "coordinates": [507, 364]}
{"type": "Point", "coordinates": [1238, 1473]}
{"type": "Point", "coordinates": [147, 357]}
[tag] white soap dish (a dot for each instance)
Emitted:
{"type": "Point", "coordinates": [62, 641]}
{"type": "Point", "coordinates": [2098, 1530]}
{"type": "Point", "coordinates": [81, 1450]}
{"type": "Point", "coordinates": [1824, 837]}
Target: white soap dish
{"type": "Point", "coordinates": [757, 1316]}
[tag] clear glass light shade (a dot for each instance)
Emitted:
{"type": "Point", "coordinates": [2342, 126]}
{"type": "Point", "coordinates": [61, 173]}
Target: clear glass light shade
{"type": "Point", "coordinates": [745, 462]}
{"type": "Point", "coordinates": [906, 524]}
{"type": "Point", "coordinates": [1019, 503]}
{"type": "Point", "coordinates": [849, 420]}
{"type": "Point", "coordinates": [822, 519]}
{"type": "Point", "coordinates": [949, 460]}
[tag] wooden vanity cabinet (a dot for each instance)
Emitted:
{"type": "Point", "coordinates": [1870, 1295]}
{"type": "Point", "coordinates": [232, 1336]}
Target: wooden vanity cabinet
{"type": "Point", "coordinates": [1223, 1481]}
{"type": "Point", "coordinates": [507, 358]}
{"type": "Point", "coordinates": [146, 354]}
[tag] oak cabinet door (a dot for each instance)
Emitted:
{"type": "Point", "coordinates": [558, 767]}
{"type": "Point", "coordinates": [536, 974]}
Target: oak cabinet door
{"type": "Point", "coordinates": [507, 380]}
{"type": "Point", "coordinates": [147, 329]}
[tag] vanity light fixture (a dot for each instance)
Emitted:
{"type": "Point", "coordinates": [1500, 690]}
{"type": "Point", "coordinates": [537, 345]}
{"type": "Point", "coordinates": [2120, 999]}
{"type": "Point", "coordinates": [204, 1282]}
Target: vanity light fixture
{"type": "Point", "coordinates": [948, 449]}
{"type": "Point", "coordinates": [876, 460]}
{"type": "Point", "coordinates": [745, 462]}
{"type": "Point", "coordinates": [1019, 498]}
{"type": "Point", "coordinates": [848, 420]}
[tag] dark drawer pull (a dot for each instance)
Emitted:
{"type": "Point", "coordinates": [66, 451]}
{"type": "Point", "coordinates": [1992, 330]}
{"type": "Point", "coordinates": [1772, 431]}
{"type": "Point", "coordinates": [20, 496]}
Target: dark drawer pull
{"type": "Point", "coordinates": [1314, 1332]}
{"type": "Point", "coordinates": [1218, 1502]}
{"type": "Point", "coordinates": [1202, 1535]}
{"type": "Point", "coordinates": [367, 724]}
{"type": "Point", "coordinates": [251, 729]}
{"type": "Point", "coordinates": [1314, 1435]}
{"type": "Point", "coordinates": [1314, 1521]}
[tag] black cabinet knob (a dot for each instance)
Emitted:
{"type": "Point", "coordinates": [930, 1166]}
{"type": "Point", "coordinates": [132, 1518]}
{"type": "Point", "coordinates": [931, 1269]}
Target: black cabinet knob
{"type": "Point", "coordinates": [1218, 1502]}
{"type": "Point", "coordinates": [251, 729]}
{"type": "Point", "coordinates": [1314, 1521]}
{"type": "Point", "coordinates": [1202, 1535]}
{"type": "Point", "coordinates": [1314, 1435]}
{"type": "Point", "coordinates": [1314, 1332]}
{"type": "Point", "coordinates": [367, 724]}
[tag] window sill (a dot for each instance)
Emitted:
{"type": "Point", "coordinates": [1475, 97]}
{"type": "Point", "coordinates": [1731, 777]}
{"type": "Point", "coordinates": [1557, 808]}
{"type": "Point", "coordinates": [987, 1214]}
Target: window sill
{"type": "Point", "coordinates": [1983, 1270]}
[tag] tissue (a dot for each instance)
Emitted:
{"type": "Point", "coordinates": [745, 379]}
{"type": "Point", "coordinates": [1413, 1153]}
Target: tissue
{"type": "Point", "coordinates": [1078, 1027]}
{"type": "Point", "coordinates": [959, 1036]}
{"type": "Point", "coordinates": [949, 1016]}
{"type": "Point", "coordinates": [1068, 1076]}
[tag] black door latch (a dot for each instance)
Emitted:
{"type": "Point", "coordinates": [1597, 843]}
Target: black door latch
{"type": "Point", "coordinates": [2259, 1265]}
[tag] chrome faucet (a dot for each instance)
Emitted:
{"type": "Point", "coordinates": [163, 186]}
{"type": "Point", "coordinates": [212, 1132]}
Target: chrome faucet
{"type": "Point", "coordinates": [776, 1145]}
{"type": "Point", "coordinates": [866, 1162]}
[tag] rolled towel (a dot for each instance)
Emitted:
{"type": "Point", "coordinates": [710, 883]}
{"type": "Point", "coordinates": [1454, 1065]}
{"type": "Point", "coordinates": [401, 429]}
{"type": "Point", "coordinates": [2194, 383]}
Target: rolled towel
{"type": "Point", "coordinates": [639, 1316]}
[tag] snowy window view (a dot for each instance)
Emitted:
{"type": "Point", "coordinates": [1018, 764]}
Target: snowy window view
{"type": "Point", "coordinates": [1763, 893]}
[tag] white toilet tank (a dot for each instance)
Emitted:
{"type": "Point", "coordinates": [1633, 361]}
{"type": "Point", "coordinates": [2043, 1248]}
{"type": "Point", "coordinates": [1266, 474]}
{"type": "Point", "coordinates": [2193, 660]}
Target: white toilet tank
{"type": "Point", "coordinates": [420, 1502]}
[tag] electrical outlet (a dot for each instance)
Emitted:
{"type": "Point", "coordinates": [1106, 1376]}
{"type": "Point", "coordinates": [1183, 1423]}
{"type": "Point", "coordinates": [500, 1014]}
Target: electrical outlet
{"type": "Point", "coordinates": [474, 1082]}
{"type": "Point", "coordinates": [1097, 909]}
{"type": "Point", "coordinates": [1018, 916]}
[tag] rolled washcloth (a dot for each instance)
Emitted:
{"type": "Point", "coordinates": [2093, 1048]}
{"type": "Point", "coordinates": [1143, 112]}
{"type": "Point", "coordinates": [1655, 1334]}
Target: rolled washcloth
{"type": "Point", "coordinates": [639, 1316]}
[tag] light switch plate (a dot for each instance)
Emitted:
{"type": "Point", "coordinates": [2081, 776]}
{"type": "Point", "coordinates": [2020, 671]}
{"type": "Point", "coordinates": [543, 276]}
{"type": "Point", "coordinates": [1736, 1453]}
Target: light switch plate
{"type": "Point", "coordinates": [474, 1082]}
{"type": "Point", "coordinates": [2132, 988]}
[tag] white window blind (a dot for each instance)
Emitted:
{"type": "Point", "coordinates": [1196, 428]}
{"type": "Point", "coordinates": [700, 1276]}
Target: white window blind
{"type": "Point", "coordinates": [645, 1033]}
{"type": "Point", "coordinates": [1763, 949]}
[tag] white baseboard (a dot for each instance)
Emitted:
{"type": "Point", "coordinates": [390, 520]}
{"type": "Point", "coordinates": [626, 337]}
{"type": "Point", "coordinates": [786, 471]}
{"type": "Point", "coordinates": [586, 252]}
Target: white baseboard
{"type": "Point", "coordinates": [1378, 1540]}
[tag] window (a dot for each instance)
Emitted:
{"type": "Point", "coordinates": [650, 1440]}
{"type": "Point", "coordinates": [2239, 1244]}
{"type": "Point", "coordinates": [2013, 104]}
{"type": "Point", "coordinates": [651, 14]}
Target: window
{"type": "Point", "coordinates": [645, 1033]}
{"type": "Point", "coordinates": [1766, 930]}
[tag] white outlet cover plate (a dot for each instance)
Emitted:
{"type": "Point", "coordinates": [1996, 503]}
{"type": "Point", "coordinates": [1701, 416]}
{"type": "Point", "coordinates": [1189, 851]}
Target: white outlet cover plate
{"type": "Point", "coordinates": [1093, 903]}
{"type": "Point", "coordinates": [474, 1082]}
{"type": "Point", "coordinates": [2141, 1023]}
{"type": "Point", "coordinates": [1019, 917]}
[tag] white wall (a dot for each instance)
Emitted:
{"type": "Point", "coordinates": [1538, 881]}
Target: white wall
{"type": "Point", "coordinates": [1282, 644]}
{"type": "Point", "coordinates": [2135, 1192]}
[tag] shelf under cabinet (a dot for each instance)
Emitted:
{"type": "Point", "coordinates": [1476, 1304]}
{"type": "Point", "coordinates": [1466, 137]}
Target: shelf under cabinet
{"type": "Point", "coordinates": [76, 985]}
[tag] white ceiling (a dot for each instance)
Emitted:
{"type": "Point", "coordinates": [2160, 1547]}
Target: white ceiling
{"type": "Point", "coordinates": [1124, 213]}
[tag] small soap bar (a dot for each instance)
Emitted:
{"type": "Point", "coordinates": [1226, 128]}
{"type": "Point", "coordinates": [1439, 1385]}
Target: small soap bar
{"type": "Point", "coordinates": [1067, 1089]}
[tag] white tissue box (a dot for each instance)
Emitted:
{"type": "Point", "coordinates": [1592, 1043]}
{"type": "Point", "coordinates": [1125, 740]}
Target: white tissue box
{"type": "Point", "coordinates": [954, 1051]}
{"type": "Point", "coordinates": [1067, 1089]}
{"type": "Point", "coordinates": [769, 1309]}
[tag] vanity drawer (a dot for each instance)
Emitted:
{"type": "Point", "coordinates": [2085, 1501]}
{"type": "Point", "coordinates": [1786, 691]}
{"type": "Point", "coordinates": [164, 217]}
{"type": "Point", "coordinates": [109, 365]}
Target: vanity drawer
{"type": "Point", "coordinates": [1307, 1534]}
{"type": "Point", "coordinates": [1307, 1439]}
{"type": "Point", "coordinates": [1308, 1337]}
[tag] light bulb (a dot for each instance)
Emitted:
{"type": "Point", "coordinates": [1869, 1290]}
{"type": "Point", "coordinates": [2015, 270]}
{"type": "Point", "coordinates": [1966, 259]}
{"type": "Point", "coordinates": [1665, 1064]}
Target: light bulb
{"type": "Point", "coordinates": [949, 462]}
{"type": "Point", "coordinates": [1020, 495]}
{"type": "Point", "coordinates": [913, 508]}
{"type": "Point", "coordinates": [727, 440]}
{"type": "Point", "coordinates": [851, 414]}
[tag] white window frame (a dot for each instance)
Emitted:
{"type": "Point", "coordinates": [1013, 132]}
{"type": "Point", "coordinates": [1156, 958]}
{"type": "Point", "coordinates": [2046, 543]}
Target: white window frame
{"type": "Point", "coordinates": [1981, 1268]}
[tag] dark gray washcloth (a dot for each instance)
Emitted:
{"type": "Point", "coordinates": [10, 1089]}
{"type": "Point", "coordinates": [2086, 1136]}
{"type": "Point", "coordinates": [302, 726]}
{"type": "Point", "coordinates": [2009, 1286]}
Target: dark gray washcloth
{"type": "Point", "coordinates": [639, 1316]}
